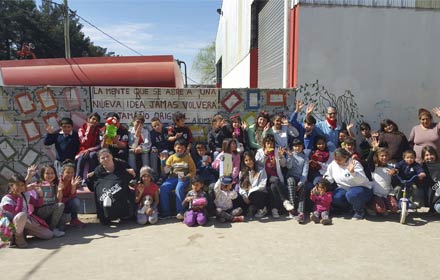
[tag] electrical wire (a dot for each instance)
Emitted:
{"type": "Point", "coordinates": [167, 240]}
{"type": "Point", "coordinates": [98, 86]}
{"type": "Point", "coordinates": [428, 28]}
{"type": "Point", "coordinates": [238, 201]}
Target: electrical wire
{"type": "Point", "coordinates": [97, 28]}
{"type": "Point", "coordinates": [103, 32]}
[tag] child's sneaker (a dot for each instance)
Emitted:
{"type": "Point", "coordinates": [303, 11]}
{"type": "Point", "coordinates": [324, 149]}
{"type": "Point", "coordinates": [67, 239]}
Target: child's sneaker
{"type": "Point", "coordinates": [291, 215]}
{"type": "Point", "coordinates": [301, 219]}
{"type": "Point", "coordinates": [58, 233]}
{"type": "Point", "coordinates": [20, 241]}
{"type": "Point", "coordinates": [371, 212]}
{"type": "Point", "coordinates": [261, 213]}
{"type": "Point", "coordinates": [76, 222]}
{"type": "Point", "coordinates": [251, 211]}
{"type": "Point", "coordinates": [237, 211]}
{"type": "Point", "coordinates": [326, 221]}
{"type": "Point", "coordinates": [287, 205]}
{"type": "Point", "coordinates": [275, 213]}
{"type": "Point", "coordinates": [359, 215]}
{"type": "Point", "coordinates": [237, 219]}
{"type": "Point", "coordinates": [179, 216]}
{"type": "Point", "coordinates": [314, 217]}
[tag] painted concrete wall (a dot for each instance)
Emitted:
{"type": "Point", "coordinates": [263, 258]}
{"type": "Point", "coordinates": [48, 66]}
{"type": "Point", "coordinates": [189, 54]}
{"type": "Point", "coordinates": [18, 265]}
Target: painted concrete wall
{"type": "Point", "coordinates": [388, 58]}
{"type": "Point", "coordinates": [24, 112]}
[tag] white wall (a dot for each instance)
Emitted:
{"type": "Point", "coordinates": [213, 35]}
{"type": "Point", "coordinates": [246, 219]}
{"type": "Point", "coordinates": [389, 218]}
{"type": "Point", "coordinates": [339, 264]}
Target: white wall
{"type": "Point", "coordinates": [388, 58]}
{"type": "Point", "coordinates": [239, 76]}
{"type": "Point", "coordinates": [233, 36]}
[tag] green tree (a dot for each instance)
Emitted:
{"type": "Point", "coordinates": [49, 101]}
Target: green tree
{"type": "Point", "coordinates": [21, 22]}
{"type": "Point", "coordinates": [204, 64]}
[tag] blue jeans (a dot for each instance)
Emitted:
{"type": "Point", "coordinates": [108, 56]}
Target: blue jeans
{"type": "Point", "coordinates": [164, 198]}
{"type": "Point", "coordinates": [145, 157]}
{"type": "Point", "coordinates": [72, 206]}
{"type": "Point", "coordinates": [91, 160]}
{"type": "Point", "coordinates": [355, 198]}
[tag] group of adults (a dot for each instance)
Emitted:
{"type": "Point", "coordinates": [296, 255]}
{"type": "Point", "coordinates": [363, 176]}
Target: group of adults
{"type": "Point", "coordinates": [424, 139]}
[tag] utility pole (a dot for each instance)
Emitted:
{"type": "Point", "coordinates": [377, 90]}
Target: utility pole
{"type": "Point", "coordinates": [66, 30]}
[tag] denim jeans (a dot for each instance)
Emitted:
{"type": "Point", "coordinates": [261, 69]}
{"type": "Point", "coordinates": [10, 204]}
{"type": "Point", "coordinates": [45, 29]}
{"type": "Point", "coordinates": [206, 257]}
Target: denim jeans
{"type": "Point", "coordinates": [86, 164]}
{"type": "Point", "coordinates": [354, 198]}
{"type": "Point", "coordinates": [72, 206]}
{"type": "Point", "coordinates": [169, 185]}
{"type": "Point", "coordinates": [145, 157]}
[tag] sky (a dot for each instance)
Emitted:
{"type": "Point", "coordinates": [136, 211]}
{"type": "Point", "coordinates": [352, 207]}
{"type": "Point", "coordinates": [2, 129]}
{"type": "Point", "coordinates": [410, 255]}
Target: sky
{"type": "Point", "coordinates": [151, 27]}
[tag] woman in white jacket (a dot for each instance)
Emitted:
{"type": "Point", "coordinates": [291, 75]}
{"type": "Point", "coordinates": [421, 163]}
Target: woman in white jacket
{"type": "Point", "coordinates": [353, 187]}
{"type": "Point", "coordinates": [252, 180]}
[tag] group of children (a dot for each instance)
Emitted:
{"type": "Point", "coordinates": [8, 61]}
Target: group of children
{"type": "Point", "coordinates": [275, 165]}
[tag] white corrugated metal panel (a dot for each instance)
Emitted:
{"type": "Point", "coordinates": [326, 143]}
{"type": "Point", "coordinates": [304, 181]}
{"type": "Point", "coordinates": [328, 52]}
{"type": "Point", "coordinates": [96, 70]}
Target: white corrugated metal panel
{"type": "Point", "coordinates": [367, 3]}
{"type": "Point", "coordinates": [270, 45]}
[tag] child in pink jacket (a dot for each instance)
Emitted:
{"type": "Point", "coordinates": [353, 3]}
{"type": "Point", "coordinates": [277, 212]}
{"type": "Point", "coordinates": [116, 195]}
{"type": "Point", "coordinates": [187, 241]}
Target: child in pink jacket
{"type": "Point", "coordinates": [322, 200]}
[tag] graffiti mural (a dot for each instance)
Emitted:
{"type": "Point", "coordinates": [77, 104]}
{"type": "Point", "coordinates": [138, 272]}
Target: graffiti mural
{"type": "Point", "coordinates": [345, 104]}
{"type": "Point", "coordinates": [24, 113]}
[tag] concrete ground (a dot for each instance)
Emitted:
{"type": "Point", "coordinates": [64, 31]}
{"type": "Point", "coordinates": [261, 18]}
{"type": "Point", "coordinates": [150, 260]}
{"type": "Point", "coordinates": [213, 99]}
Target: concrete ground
{"type": "Point", "coordinates": [376, 248]}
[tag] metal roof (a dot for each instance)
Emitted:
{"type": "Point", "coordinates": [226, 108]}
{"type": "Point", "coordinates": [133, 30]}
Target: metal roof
{"type": "Point", "coordinates": [422, 4]}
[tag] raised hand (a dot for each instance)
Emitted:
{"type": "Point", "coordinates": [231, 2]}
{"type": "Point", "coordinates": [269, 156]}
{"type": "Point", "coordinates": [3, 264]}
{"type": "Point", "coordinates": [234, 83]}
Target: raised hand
{"type": "Point", "coordinates": [374, 142]}
{"type": "Point", "coordinates": [299, 104]}
{"type": "Point", "coordinates": [310, 108]}
{"type": "Point", "coordinates": [436, 111]}
{"type": "Point", "coordinates": [49, 129]}
{"type": "Point", "coordinates": [350, 166]}
{"type": "Point", "coordinates": [32, 170]}
{"type": "Point", "coordinates": [76, 180]}
{"type": "Point", "coordinates": [266, 127]}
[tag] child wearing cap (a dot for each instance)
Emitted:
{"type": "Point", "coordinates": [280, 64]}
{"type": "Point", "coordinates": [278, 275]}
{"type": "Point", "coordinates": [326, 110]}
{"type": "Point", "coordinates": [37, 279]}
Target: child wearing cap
{"type": "Point", "coordinates": [224, 195]}
{"type": "Point", "coordinates": [145, 190]}
{"type": "Point", "coordinates": [297, 171]}
{"type": "Point", "coordinates": [181, 169]}
{"type": "Point", "coordinates": [66, 141]}
{"type": "Point", "coordinates": [196, 202]}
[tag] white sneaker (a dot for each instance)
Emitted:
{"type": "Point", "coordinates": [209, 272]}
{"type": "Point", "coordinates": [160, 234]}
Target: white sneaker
{"type": "Point", "coordinates": [180, 217]}
{"type": "Point", "coordinates": [275, 213]}
{"type": "Point", "coordinates": [287, 205]}
{"type": "Point", "coordinates": [261, 213]}
{"type": "Point", "coordinates": [58, 233]}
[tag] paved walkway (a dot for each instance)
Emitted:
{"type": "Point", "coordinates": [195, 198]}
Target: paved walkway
{"type": "Point", "coordinates": [379, 248]}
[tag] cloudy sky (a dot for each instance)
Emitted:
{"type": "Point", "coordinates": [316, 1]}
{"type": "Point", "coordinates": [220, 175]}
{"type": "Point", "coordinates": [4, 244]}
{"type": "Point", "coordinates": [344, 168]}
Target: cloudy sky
{"type": "Point", "coordinates": [151, 27]}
